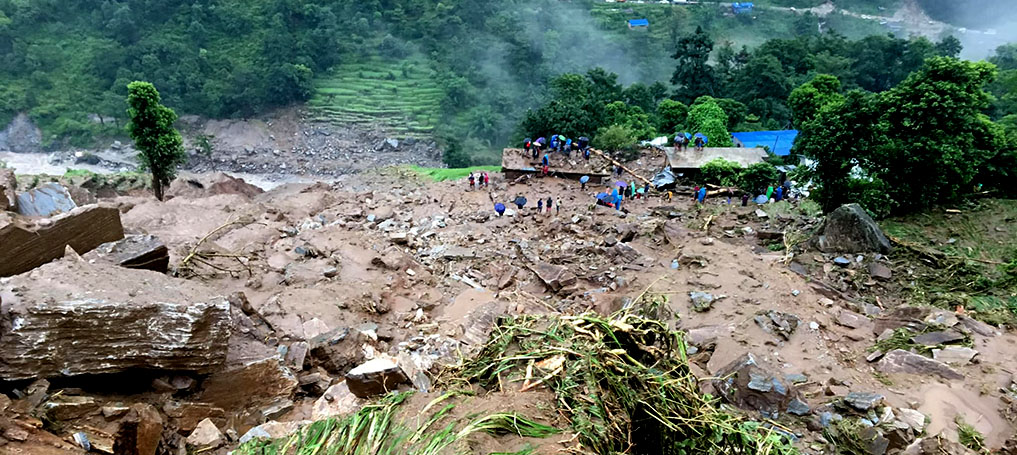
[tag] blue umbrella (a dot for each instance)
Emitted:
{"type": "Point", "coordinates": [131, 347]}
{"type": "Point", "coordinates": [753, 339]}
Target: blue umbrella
{"type": "Point", "coordinates": [520, 201]}
{"type": "Point", "coordinates": [621, 184]}
{"type": "Point", "coordinates": [499, 207]}
{"type": "Point", "coordinates": [602, 196]}
{"type": "Point", "coordinates": [688, 135]}
{"type": "Point", "coordinates": [761, 199]}
{"type": "Point", "coordinates": [584, 179]}
{"type": "Point", "coordinates": [706, 140]}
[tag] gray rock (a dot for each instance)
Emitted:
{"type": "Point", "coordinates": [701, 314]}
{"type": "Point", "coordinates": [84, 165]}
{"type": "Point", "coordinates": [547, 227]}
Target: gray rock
{"type": "Point", "coordinates": [975, 326]}
{"type": "Point", "coordinates": [851, 319]}
{"type": "Point", "coordinates": [21, 136]}
{"type": "Point", "coordinates": [874, 356]}
{"type": "Point", "coordinates": [144, 252]}
{"type": "Point", "coordinates": [330, 272]}
{"type": "Point", "coordinates": [901, 361]}
{"type": "Point", "coordinates": [863, 401]}
{"type": "Point", "coordinates": [796, 378]}
{"type": "Point", "coordinates": [701, 301]}
{"type": "Point", "coordinates": [914, 419]}
{"type": "Point", "coordinates": [761, 214]}
{"type": "Point", "coordinates": [777, 323]}
{"type": "Point", "coordinates": [610, 240]}
{"type": "Point", "coordinates": [746, 383]}
{"type": "Point", "coordinates": [842, 261]}
{"type": "Point", "coordinates": [206, 435]}
{"type": "Point", "coordinates": [8, 190]}
{"type": "Point", "coordinates": [375, 377]}
{"type": "Point", "coordinates": [937, 338]}
{"type": "Point", "coordinates": [798, 407]}
{"type": "Point", "coordinates": [555, 277]}
{"type": "Point", "coordinates": [849, 229]}
{"type": "Point", "coordinates": [46, 200]}
{"type": "Point", "coordinates": [880, 271]}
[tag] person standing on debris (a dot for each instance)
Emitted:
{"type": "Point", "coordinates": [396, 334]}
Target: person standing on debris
{"type": "Point", "coordinates": [546, 160]}
{"type": "Point", "coordinates": [779, 194]}
{"type": "Point", "coordinates": [632, 189]}
{"type": "Point", "coordinates": [745, 199]}
{"type": "Point", "coordinates": [527, 145]}
{"type": "Point", "coordinates": [702, 195]}
{"type": "Point", "coordinates": [695, 192]}
{"type": "Point", "coordinates": [586, 153]}
{"type": "Point", "coordinates": [669, 195]}
{"type": "Point", "coordinates": [472, 180]}
{"type": "Point", "coordinates": [520, 201]}
{"type": "Point", "coordinates": [545, 170]}
{"type": "Point", "coordinates": [554, 142]}
{"type": "Point", "coordinates": [646, 190]}
{"type": "Point", "coordinates": [540, 205]}
{"type": "Point", "coordinates": [550, 203]}
{"type": "Point", "coordinates": [557, 208]}
{"type": "Point", "coordinates": [769, 192]}
{"type": "Point", "coordinates": [500, 208]}
{"type": "Point", "coordinates": [568, 147]}
{"type": "Point", "coordinates": [582, 182]}
{"type": "Point", "coordinates": [487, 180]}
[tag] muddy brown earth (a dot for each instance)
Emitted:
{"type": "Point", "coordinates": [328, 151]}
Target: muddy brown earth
{"type": "Point", "coordinates": [323, 277]}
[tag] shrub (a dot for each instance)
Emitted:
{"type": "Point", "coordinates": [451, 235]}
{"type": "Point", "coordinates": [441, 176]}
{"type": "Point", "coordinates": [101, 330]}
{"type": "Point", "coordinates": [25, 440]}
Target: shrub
{"type": "Point", "coordinates": [720, 172]}
{"type": "Point", "coordinates": [757, 177]}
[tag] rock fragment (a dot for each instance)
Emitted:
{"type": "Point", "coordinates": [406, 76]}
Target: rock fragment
{"type": "Point", "coordinates": [375, 377]}
{"type": "Point", "coordinates": [901, 361]}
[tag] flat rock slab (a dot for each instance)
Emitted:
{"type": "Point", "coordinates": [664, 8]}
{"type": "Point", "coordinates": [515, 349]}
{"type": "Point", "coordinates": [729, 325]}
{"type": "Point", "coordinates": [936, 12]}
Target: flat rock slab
{"type": "Point", "coordinates": [901, 361]}
{"type": "Point", "coordinates": [555, 277]}
{"type": "Point", "coordinates": [134, 252]}
{"type": "Point", "coordinates": [937, 338]}
{"type": "Point", "coordinates": [27, 246]}
{"type": "Point", "coordinates": [954, 355]}
{"type": "Point", "coordinates": [863, 401]}
{"type": "Point", "coordinates": [748, 384]}
{"type": "Point", "coordinates": [852, 320]}
{"type": "Point", "coordinates": [71, 318]}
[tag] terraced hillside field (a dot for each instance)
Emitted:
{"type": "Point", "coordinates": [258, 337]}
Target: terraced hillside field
{"type": "Point", "coordinates": [402, 97]}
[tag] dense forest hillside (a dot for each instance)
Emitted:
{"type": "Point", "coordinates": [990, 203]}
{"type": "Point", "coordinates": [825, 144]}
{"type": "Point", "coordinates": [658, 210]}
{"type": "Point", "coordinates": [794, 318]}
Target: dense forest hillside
{"type": "Point", "coordinates": [460, 68]}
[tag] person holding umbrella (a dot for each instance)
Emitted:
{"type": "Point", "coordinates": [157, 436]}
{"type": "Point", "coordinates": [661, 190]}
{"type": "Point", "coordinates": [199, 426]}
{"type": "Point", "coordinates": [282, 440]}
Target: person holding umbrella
{"type": "Point", "coordinates": [583, 180]}
{"type": "Point", "coordinates": [500, 208]}
{"type": "Point", "coordinates": [520, 201]}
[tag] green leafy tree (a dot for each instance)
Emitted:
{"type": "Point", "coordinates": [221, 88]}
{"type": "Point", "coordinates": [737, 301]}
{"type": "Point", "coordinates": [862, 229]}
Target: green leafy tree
{"type": "Point", "coordinates": [806, 100]}
{"type": "Point", "coordinates": [706, 116]}
{"type": "Point", "coordinates": [720, 172]}
{"type": "Point", "coordinates": [631, 117]}
{"type": "Point", "coordinates": [151, 127]}
{"type": "Point", "coordinates": [694, 77]}
{"type": "Point", "coordinates": [671, 115]}
{"type": "Point", "coordinates": [617, 140]}
{"type": "Point", "coordinates": [838, 139]}
{"type": "Point", "coordinates": [455, 156]}
{"type": "Point", "coordinates": [938, 137]}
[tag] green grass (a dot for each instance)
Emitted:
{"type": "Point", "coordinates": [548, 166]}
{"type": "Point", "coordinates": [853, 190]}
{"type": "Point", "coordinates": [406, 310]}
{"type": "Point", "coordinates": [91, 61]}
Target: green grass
{"type": "Point", "coordinates": [402, 97]}
{"type": "Point", "coordinates": [968, 436]}
{"type": "Point", "coordinates": [977, 251]}
{"type": "Point", "coordinates": [438, 174]}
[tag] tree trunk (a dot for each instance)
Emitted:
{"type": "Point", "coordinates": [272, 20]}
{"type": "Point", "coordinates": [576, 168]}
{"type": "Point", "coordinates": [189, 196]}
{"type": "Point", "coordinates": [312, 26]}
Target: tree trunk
{"type": "Point", "coordinates": [157, 187]}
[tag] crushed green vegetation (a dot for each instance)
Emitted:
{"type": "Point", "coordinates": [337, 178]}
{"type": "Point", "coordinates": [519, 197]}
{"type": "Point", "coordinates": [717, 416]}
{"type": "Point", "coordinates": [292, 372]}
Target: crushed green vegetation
{"type": "Point", "coordinates": [966, 259]}
{"type": "Point", "coordinates": [969, 437]}
{"type": "Point", "coordinates": [622, 384]}
{"type": "Point", "coordinates": [374, 430]}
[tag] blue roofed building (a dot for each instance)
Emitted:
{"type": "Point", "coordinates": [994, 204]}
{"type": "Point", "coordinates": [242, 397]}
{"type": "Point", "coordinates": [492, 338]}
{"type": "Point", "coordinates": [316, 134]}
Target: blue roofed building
{"type": "Point", "coordinates": [742, 7]}
{"type": "Point", "coordinates": [779, 142]}
{"type": "Point", "coordinates": [639, 24]}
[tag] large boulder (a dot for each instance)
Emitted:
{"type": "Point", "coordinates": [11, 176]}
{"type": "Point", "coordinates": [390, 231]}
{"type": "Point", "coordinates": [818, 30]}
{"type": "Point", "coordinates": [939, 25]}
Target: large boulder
{"type": "Point", "coordinates": [259, 384]}
{"type": "Point", "coordinates": [27, 246]}
{"type": "Point", "coordinates": [849, 229]}
{"type": "Point", "coordinates": [748, 384]}
{"type": "Point", "coordinates": [72, 318]}
{"type": "Point", "coordinates": [46, 200]}
{"type": "Point", "coordinates": [555, 277]}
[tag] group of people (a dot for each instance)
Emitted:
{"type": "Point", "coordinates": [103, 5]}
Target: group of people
{"type": "Point", "coordinates": [558, 144]}
{"type": "Point", "coordinates": [479, 180]}
{"type": "Point", "coordinates": [613, 197]}
{"type": "Point", "coordinates": [682, 141]}
{"type": "Point", "coordinates": [521, 201]}
{"type": "Point", "coordinates": [773, 193]}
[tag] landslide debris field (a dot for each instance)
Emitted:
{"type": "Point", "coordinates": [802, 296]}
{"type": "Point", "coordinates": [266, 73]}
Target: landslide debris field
{"type": "Point", "coordinates": [388, 313]}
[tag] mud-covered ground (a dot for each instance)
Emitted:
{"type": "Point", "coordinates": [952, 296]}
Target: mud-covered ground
{"type": "Point", "coordinates": [410, 267]}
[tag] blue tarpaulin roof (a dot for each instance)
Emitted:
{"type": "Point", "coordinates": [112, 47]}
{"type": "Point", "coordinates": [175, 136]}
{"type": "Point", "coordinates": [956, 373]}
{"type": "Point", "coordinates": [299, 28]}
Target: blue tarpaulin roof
{"type": "Point", "coordinates": [639, 23]}
{"type": "Point", "coordinates": [779, 142]}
